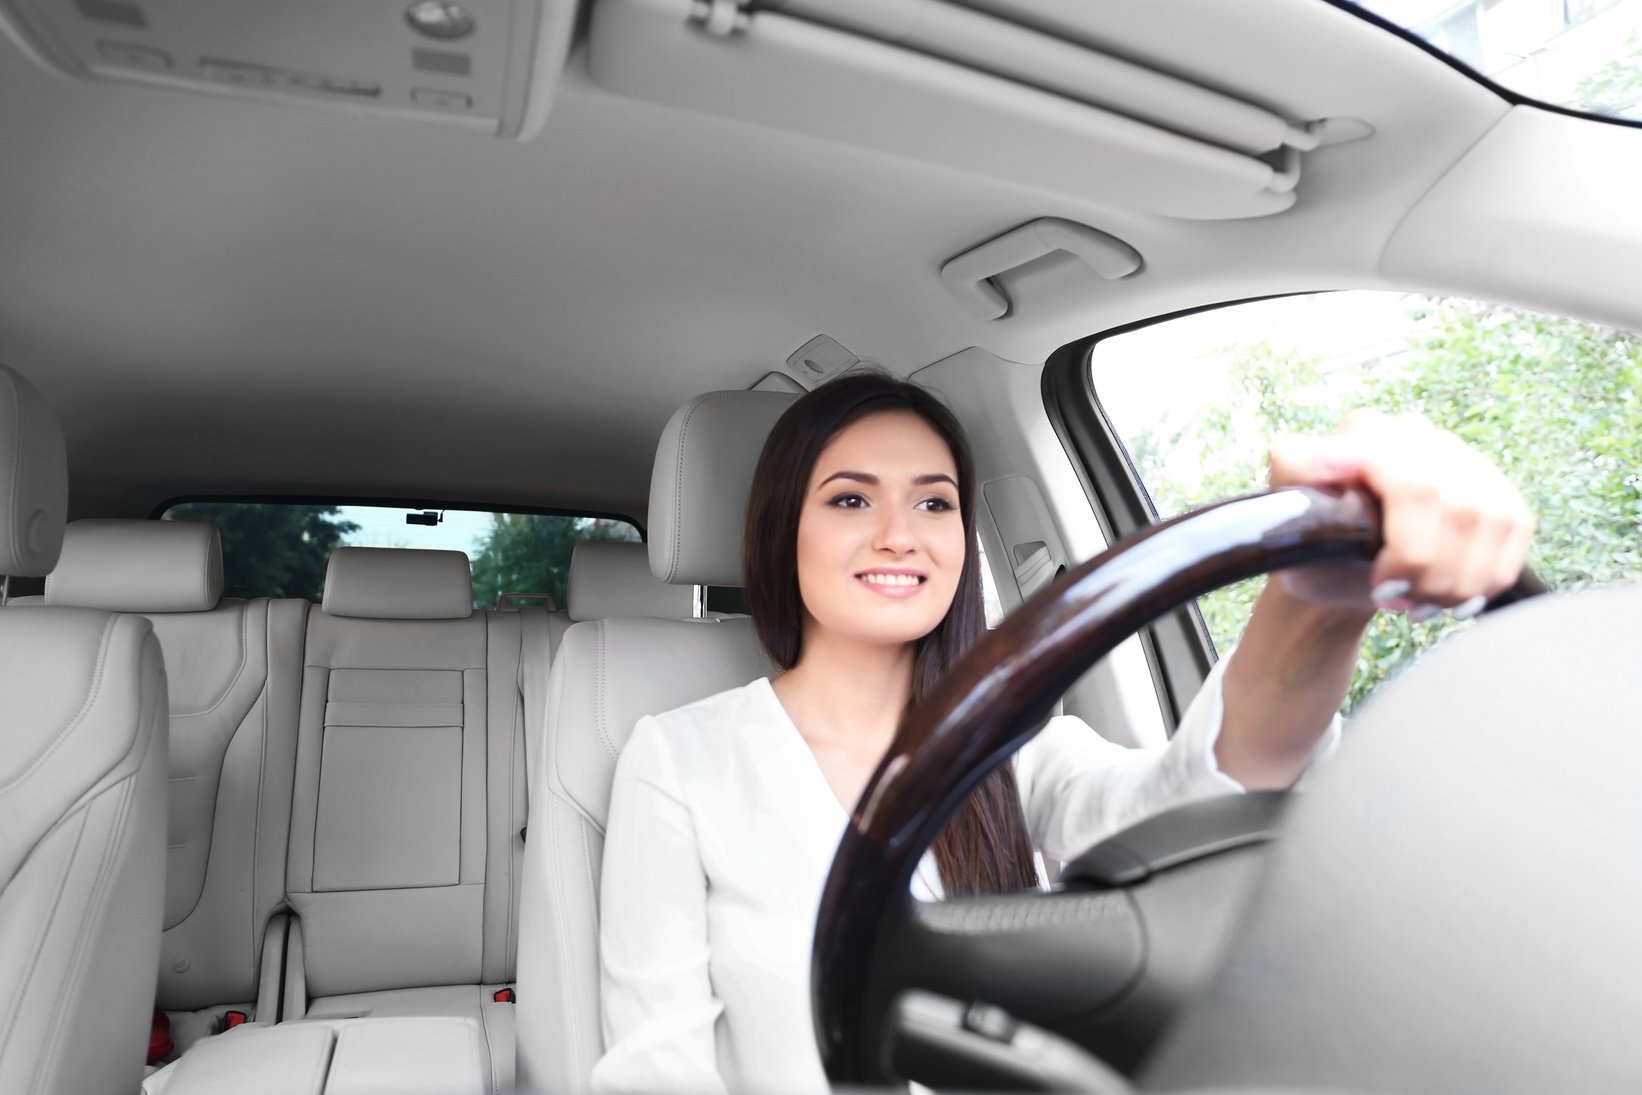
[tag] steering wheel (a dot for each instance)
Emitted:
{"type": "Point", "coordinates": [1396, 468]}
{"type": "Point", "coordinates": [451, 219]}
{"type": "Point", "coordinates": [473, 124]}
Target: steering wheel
{"type": "Point", "coordinates": [1099, 965]}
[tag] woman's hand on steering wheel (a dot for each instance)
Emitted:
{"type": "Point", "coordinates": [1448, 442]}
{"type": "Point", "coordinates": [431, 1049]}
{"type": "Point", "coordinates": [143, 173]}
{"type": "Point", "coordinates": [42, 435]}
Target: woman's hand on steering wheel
{"type": "Point", "coordinates": [1456, 530]}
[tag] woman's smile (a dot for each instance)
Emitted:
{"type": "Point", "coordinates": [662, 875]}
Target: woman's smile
{"type": "Point", "coordinates": [895, 583]}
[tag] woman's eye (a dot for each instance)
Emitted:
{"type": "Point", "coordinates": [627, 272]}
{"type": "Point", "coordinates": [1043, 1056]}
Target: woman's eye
{"type": "Point", "coordinates": [936, 505]}
{"type": "Point", "coordinates": [848, 501]}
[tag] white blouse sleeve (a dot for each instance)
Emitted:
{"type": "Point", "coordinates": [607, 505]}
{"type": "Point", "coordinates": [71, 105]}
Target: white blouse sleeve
{"type": "Point", "coordinates": [1078, 788]}
{"type": "Point", "coordinates": [658, 1002]}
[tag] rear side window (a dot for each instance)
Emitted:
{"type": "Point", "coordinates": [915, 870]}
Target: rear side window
{"type": "Point", "coordinates": [278, 549]}
{"type": "Point", "coordinates": [1197, 401]}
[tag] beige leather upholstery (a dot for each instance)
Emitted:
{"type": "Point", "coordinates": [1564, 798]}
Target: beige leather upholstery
{"type": "Point", "coordinates": [398, 584]}
{"type": "Point", "coordinates": [82, 800]}
{"type": "Point", "coordinates": [607, 674]}
{"type": "Point", "coordinates": [234, 677]}
{"type": "Point", "coordinates": [610, 578]}
{"type": "Point", "coordinates": [409, 1056]}
{"type": "Point", "coordinates": [698, 489]}
{"type": "Point", "coordinates": [138, 566]}
{"type": "Point", "coordinates": [409, 797]}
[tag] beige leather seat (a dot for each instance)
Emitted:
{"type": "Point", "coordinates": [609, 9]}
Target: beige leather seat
{"type": "Point", "coordinates": [235, 673]}
{"type": "Point", "coordinates": [410, 797]}
{"type": "Point", "coordinates": [611, 578]}
{"type": "Point", "coordinates": [82, 798]}
{"type": "Point", "coordinates": [608, 673]}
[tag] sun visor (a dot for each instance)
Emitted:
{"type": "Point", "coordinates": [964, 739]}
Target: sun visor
{"type": "Point", "coordinates": [945, 84]}
{"type": "Point", "coordinates": [491, 65]}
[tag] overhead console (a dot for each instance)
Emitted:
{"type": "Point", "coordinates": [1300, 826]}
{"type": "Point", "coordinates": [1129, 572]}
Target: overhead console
{"type": "Point", "coordinates": [491, 65]}
{"type": "Point", "coordinates": [944, 83]}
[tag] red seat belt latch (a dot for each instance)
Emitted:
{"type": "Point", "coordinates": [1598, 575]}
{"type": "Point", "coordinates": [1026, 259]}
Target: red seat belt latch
{"type": "Point", "coordinates": [232, 1019]}
{"type": "Point", "coordinates": [160, 1045]}
{"type": "Point", "coordinates": [504, 996]}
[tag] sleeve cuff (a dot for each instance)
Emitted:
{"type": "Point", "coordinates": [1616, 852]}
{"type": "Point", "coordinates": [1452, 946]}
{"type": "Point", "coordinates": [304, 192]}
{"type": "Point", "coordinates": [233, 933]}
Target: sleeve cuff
{"type": "Point", "coordinates": [1199, 729]}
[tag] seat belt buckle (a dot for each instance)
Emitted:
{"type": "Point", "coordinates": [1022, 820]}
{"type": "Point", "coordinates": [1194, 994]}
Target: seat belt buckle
{"type": "Point", "coordinates": [504, 996]}
{"type": "Point", "coordinates": [160, 1043]}
{"type": "Point", "coordinates": [232, 1019]}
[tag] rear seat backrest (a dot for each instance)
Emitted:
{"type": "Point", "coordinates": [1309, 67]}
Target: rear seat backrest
{"type": "Point", "coordinates": [410, 783]}
{"type": "Point", "coordinates": [233, 668]}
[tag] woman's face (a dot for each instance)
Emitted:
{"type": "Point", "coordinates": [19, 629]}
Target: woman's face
{"type": "Point", "coordinates": [880, 536]}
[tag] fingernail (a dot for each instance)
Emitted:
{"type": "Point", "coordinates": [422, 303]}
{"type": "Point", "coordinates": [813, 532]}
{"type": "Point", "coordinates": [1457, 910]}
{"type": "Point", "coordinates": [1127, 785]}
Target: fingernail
{"type": "Point", "coordinates": [1467, 609]}
{"type": "Point", "coordinates": [1421, 613]}
{"type": "Point", "coordinates": [1389, 591]}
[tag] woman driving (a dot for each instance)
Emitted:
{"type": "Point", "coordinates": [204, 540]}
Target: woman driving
{"type": "Point", "coordinates": [864, 587]}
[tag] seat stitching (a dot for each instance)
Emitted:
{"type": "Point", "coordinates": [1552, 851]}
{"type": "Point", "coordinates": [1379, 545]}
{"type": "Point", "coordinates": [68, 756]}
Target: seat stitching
{"type": "Point", "coordinates": [122, 816]}
{"type": "Point", "coordinates": [85, 708]}
{"type": "Point", "coordinates": [511, 957]}
{"type": "Point", "coordinates": [598, 696]}
{"type": "Point", "coordinates": [45, 928]}
{"type": "Point", "coordinates": [244, 660]}
{"type": "Point", "coordinates": [484, 1036]}
{"type": "Point", "coordinates": [592, 903]}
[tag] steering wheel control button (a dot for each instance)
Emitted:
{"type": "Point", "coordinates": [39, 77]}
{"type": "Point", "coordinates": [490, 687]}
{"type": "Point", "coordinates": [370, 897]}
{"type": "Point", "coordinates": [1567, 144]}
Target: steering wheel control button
{"type": "Point", "coordinates": [439, 20]}
{"type": "Point", "coordinates": [990, 1022]}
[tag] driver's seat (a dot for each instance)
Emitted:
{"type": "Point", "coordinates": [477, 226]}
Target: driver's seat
{"type": "Point", "coordinates": [607, 674]}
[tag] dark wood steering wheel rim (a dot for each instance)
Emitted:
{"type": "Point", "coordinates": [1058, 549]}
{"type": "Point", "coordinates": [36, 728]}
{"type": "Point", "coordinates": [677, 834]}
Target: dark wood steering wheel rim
{"type": "Point", "coordinates": [1003, 691]}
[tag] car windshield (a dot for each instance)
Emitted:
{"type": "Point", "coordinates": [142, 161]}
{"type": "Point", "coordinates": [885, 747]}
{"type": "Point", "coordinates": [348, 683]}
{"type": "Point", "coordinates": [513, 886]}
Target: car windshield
{"type": "Point", "coordinates": [1583, 55]}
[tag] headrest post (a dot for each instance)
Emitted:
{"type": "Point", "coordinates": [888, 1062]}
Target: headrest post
{"type": "Point", "coordinates": [698, 607]}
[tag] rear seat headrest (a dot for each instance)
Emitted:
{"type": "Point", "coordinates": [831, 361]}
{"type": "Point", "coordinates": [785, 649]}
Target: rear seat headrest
{"type": "Point", "coordinates": [698, 491]}
{"type": "Point", "coordinates": [138, 566]}
{"type": "Point", "coordinates": [398, 584]}
{"type": "Point", "coordinates": [33, 479]}
{"type": "Point", "coordinates": [609, 578]}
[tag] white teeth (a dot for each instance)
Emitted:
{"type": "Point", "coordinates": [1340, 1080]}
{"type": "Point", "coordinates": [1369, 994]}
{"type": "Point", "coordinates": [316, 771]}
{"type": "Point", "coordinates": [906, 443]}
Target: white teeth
{"type": "Point", "coordinates": [890, 579]}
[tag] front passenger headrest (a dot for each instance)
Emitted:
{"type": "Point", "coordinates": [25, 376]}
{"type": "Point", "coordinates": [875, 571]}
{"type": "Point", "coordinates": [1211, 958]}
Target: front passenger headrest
{"type": "Point", "coordinates": [703, 474]}
{"type": "Point", "coordinates": [398, 584]}
{"type": "Point", "coordinates": [138, 566]}
{"type": "Point", "coordinates": [609, 578]}
{"type": "Point", "coordinates": [33, 479]}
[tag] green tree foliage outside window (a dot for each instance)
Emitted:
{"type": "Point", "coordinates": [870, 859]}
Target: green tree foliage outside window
{"type": "Point", "coordinates": [271, 549]}
{"type": "Point", "coordinates": [530, 553]}
{"type": "Point", "coordinates": [1556, 402]}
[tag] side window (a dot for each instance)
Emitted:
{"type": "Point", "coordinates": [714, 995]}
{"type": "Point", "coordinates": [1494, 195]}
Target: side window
{"type": "Point", "coordinates": [1557, 403]}
{"type": "Point", "coordinates": [276, 549]}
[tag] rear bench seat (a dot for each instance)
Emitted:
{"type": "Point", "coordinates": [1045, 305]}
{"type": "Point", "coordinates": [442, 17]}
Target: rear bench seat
{"type": "Point", "coordinates": [409, 798]}
{"type": "Point", "coordinates": [386, 732]}
{"type": "Point", "coordinates": [406, 801]}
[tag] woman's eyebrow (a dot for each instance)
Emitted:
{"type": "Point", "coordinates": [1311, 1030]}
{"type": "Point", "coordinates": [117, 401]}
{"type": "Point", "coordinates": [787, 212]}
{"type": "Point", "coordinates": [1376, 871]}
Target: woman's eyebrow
{"type": "Point", "coordinates": [872, 480]}
{"type": "Point", "coordinates": [857, 476]}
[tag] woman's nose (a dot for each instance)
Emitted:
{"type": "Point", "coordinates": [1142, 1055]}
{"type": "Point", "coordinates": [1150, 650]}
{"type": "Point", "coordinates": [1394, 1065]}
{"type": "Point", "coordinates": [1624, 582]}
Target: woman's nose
{"type": "Point", "coordinates": [895, 531]}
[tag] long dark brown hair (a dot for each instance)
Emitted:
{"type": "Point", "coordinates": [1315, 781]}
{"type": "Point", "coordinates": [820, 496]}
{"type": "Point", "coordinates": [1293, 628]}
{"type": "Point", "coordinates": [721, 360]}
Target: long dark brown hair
{"type": "Point", "coordinates": [984, 848]}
